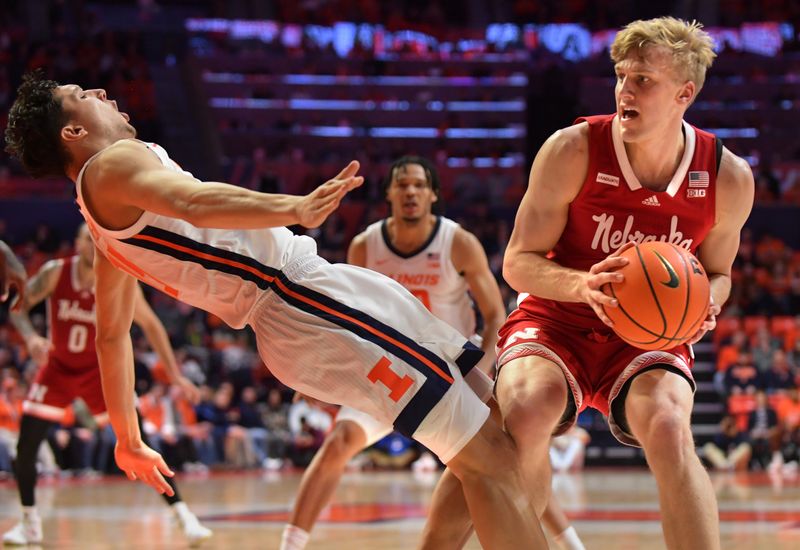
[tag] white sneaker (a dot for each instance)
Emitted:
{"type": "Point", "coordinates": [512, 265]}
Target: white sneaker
{"type": "Point", "coordinates": [27, 531]}
{"type": "Point", "coordinates": [195, 532]}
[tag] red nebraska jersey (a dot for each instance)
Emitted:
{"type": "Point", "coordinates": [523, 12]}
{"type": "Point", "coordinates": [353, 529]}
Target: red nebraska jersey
{"type": "Point", "coordinates": [613, 207]}
{"type": "Point", "coordinates": [71, 316]}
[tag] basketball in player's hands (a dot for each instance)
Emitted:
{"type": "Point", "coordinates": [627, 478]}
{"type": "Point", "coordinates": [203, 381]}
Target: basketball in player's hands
{"type": "Point", "coordinates": [663, 299]}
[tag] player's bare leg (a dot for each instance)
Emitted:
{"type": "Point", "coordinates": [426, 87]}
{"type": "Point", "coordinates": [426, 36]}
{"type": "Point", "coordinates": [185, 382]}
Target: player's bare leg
{"type": "Point", "coordinates": [658, 408]}
{"type": "Point", "coordinates": [320, 481]}
{"type": "Point", "coordinates": [448, 526]}
{"type": "Point", "coordinates": [495, 496]}
{"type": "Point", "coordinates": [532, 394]}
{"type": "Point", "coordinates": [557, 523]}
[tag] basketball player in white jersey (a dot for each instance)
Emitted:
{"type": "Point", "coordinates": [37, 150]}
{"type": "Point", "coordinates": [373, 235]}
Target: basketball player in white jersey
{"type": "Point", "coordinates": [441, 264]}
{"type": "Point", "coordinates": [338, 333]}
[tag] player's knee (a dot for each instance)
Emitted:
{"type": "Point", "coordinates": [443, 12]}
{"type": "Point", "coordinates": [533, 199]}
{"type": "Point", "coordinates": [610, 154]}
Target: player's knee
{"type": "Point", "coordinates": [531, 414]}
{"type": "Point", "coordinates": [667, 437]}
{"type": "Point", "coordinates": [345, 441]}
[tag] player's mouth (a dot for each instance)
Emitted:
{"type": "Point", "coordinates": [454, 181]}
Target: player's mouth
{"type": "Point", "coordinates": [626, 113]}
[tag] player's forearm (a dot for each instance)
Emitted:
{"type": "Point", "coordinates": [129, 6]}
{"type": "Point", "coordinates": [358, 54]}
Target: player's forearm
{"type": "Point", "coordinates": [534, 274]}
{"type": "Point", "coordinates": [12, 262]}
{"type": "Point", "coordinates": [491, 326]}
{"type": "Point", "coordinates": [22, 322]}
{"type": "Point", "coordinates": [720, 288]}
{"type": "Point", "coordinates": [115, 355]}
{"type": "Point", "coordinates": [228, 207]}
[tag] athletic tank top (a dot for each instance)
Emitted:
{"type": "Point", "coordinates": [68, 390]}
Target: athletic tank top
{"type": "Point", "coordinates": [222, 271]}
{"type": "Point", "coordinates": [613, 207]}
{"type": "Point", "coordinates": [427, 273]}
{"type": "Point", "coordinates": [71, 318]}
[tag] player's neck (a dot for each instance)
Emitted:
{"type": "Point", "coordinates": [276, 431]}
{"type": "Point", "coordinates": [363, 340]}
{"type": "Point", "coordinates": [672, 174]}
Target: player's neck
{"type": "Point", "coordinates": [82, 152]}
{"type": "Point", "coordinates": [655, 161]}
{"type": "Point", "coordinates": [408, 236]}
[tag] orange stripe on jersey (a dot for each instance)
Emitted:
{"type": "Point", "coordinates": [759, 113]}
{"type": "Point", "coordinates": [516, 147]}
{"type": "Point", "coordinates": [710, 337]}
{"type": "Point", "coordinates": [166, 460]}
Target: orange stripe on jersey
{"type": "Point", "coordinates": [203, 255]}
{"type": "Point", "coordinates": [125, 264]}
{"type": "Point", "coordinates": [367, 327]}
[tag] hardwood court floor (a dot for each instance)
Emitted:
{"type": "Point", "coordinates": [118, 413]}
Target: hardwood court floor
{"type": "Point", "coordinates": [611, 509]}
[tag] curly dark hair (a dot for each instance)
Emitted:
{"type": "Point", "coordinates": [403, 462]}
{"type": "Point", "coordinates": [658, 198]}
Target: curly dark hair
{"type": "Point", "coordinates": [34, 127]}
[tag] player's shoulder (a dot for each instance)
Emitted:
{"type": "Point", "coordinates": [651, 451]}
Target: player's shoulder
{"type": "Point", "coordinates": [570, 142]}
{"type": "Point", "coordinates": [735, 175]}
{"type": "Point", "coordinates": [123, 156]}
{"type": "Point", "coordinates": [465, 241]}
{"type": "Point", "coordinates": [53, 267]}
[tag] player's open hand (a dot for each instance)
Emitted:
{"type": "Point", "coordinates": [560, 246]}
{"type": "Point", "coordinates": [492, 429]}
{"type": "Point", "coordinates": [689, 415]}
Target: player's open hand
{"type": "Point", "coordinates": [139, 461]}
{"type": "Point", "coordinates": [709, 324]}
{"type": "Point", "coordinates": [314, 208]}
{"type": "Point", "coordinates": [603, 273]}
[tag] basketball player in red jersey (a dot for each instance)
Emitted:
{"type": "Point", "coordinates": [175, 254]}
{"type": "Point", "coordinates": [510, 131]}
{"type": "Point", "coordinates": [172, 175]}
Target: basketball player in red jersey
{"type": "Point", "coordinates": [68, 369]}
{"type": "Point", "coordinates": [639, 174]}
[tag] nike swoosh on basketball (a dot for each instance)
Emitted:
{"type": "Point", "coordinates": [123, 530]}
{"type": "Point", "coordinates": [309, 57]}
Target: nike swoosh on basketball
{"type": "Point", "coordinates": [673, 276]}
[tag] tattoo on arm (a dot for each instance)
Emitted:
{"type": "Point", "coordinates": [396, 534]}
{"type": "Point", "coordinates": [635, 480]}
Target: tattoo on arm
{"type": "Point", "coordinates": [38, 287]}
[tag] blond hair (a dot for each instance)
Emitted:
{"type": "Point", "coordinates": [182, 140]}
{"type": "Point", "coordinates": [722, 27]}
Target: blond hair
{"type": "Point", "coordinates": [692, 48]}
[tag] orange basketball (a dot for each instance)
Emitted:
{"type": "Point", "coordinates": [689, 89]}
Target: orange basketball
{"type": "Point", "coordinates": [663, 299]}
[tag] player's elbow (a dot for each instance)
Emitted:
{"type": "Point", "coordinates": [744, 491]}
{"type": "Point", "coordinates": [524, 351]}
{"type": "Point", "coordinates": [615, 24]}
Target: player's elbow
{"type": "Point", "coordinates": [511, 268]}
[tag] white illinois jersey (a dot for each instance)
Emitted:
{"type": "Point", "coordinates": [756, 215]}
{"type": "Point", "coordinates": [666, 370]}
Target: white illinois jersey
{"type": "Point", "coordinates": [427, 273]}
{"type": "Point", "coordinates": [222, 271]}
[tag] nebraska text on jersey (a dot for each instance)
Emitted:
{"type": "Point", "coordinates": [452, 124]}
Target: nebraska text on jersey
{"type": "Point", "coordinates": [70, 310]}
{"type": "Point", "coordinates": [610, 239]}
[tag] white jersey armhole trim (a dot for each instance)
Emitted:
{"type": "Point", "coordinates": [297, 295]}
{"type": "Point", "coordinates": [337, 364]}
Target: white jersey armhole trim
{"type": "Point", "coordinates": [129, 231]}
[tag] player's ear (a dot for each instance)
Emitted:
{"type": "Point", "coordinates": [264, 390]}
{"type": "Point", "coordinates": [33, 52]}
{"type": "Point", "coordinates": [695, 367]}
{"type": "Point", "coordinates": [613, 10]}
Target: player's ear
{"type": "Point", "coordinates": [687, 93]}
{"type": "Point", "coordinates": [73, 132]}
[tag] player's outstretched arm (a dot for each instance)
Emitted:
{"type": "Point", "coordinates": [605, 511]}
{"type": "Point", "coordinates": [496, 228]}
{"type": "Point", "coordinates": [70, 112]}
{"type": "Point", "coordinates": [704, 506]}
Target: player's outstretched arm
{"type": "Point", "coordinates": [115, 295]}
{"type": "Point", "coordinates": [556, 178]}
{"type": "Point", "coordinates": [156, 334]}
{"type": "Point", "coordinates": [12, 273]}
{"type": "Point", "coordinates": [37, 288]}
{"type": "Point", "coordinates": [735, 191]}
{"type": "Point", "coordinates": [128, 178]}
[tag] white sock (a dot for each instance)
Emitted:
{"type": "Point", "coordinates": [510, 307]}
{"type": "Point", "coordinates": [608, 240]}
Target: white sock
{"type": "Point", "coordinates": [181, 510]}
{"type": "Point", "coordinates": [569, 540]}
{"type": "Point", "coordinates": [30, 512]}
{"type": "Point", "coordinates": [294, 538]}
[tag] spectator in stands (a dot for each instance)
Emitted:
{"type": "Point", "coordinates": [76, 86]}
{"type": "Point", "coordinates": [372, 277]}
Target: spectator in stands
{"type": "Point", "coordinates": [764, 345]}
{"type": "Point", "coordinates": [276, 421]}
{"type": "Point", "coordinates": [781, 376]}
{"type": "Point", "coordinates": [788, 410]}
{"type": "Point", "coordinates": [250, 419]}
{"type": "Point", "coordinates": [727, 356]}
{"type": "Point", "coordinates": [730, 449]}
{"type": "Point", "coordinates": [743, 377]}
{"type": "Point", "coordinates": [763, 431]}
{"type": "Point", "coordinates": [305, 443]}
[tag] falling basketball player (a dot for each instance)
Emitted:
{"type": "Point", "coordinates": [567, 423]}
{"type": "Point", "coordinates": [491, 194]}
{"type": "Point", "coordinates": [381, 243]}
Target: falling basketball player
{"type": "Point", "coordinates": [68, 369]}
{"type": "Point", "coordinates": [639, 174]}
{"type": "Point", "coordinates": [339, 333]}
{"type": "Point", "coordinates": [445, 267]}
